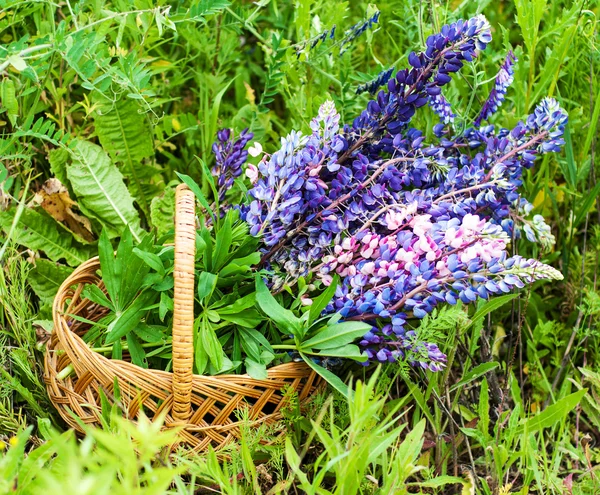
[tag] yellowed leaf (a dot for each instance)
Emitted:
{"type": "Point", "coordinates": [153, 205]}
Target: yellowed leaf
{"type": "Point", "coordinates": [54, 198]}
{"type": "Point", "coordinates": [250, 94]}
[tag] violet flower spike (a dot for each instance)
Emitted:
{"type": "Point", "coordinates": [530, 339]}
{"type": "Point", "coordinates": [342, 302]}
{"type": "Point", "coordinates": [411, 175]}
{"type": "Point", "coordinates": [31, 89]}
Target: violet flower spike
{"type": "Point", "coordinates": [504, 79]}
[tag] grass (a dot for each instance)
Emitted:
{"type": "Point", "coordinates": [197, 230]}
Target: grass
{"type": "Point", "coordinates": [516, 411]}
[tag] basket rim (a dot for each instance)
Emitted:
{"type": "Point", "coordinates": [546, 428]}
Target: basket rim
{"type": "Point", "coordinates": [90, 267]}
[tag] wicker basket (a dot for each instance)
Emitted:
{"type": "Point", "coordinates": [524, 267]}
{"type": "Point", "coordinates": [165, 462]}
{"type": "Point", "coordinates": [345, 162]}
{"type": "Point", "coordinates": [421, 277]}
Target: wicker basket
{"type": "Point", "coordinates": [204, 407]}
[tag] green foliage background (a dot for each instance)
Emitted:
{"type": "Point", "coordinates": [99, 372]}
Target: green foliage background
{"type": "Point", "coordinates": [113, 97]}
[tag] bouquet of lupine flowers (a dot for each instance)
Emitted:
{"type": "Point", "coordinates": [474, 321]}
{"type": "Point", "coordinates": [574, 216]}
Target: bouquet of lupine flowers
{"type": "Point", "coordinates": [397, 223]}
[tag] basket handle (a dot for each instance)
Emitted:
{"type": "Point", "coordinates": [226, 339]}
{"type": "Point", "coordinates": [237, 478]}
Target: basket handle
{"type": "Point", "coordinates": [183, 312]}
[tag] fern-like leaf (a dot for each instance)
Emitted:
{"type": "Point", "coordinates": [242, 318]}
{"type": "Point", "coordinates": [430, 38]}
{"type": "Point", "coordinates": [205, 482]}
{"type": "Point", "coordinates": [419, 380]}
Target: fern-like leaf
{"type": "Point", "coordinates": [46, 278]}
{"type": "Point", "coordinates": [39, 232]}
{"type": "Point", "coordinates": [204, 8]}
{"type": "Point", "coordinates": [127, 136]}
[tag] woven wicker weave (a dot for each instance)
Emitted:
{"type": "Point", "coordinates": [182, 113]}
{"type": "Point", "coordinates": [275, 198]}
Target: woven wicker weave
{"type": "Point", "coordinates": [203, 406]}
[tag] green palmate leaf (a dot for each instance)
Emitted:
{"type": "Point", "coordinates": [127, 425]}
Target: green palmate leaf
{"type": "Point", "coordinates": [39, 232]}
{"type": "Point", "coordinates": [256, 370]}
{"type": "Point", "coordinates": [162, 211]}
{"type": "Point", "coordinates": [94, 294]}
{"type": "Point", "coordinates": [321, 302]}
{"type": "Point", "coordinates": [337, 335]}
{"type": "Point", "coordinates": [223, 243]}
{"type": "Point", "coordinates": [151, 259]}
{"type": "Point", "coordinates": [552, 414]}
{"type": "Point", "coordinates": [329, 377]}
{"type": "Point", "coordinates": [211, 344]}
{"type": "Point", "coordinates": [130, 318]}
{"type": "Point", "coordinates": [285, 319]}
{"type": "Point", "coordinates": [46, 277]}
{"type": "Point", "coordinates": [206, 285]}
{"type": "Point", "coordinates": [136, 351]}
{"type": "Point", "coordinates": [126, 135]}
{"type": "Point", "coordinates": [100, 190]}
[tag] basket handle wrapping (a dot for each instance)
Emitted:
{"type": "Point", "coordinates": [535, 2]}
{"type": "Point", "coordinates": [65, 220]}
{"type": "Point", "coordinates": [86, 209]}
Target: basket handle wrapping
{"type": "Point", "coordinates": [183, 312]}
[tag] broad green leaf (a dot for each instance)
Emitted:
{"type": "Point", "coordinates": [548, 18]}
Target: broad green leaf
{"type": "Point", "coordinates": [100, 190]}
{"type": "Point", "coordinates": [552, 414]}
{"type": "Point", "coordinates": [337, 335]}
{"type": "Point", "coordinates": [287, 321]}
{"type": "Point", "coordinates": [206, 285]}
{"type": "Point", "coordinates": [39, 232]}
{"type": "Point", "coordinates": [476, 373]}
{"type": "Point", "coordinates": [321, 302]}
{"type": "Point", "coordinates": [489, 306]}
{"type": "Point", "coordinates": [327, 375]}
{"type": "Point", "coordinates": [46, 277]}
{"type": "Point", "coordinates": [126, 135]}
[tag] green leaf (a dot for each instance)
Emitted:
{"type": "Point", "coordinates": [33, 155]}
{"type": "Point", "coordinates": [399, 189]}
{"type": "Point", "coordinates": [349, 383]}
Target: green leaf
{"type": "Point", "coordinates": [489, 306]}
{"type": "Point", "coordinates": [349, 351]}
{"type": "Point", "coordinates": [552, 414]}
{"type": "Point", "coordinates": [586, 205]}
{"type": "Point", "coordinates": [337, 335]}
{"type": "Point", "coordinates": [211, 344]}
{"type": "Point", "coordinates": [258, 371]}
{"type": "Point", "coordinates": [195, 188]}
{"type": "Point", "coordinates": [126, 321]}
{"type": "Point", "coordinates": [9, 99]}
{"type": "Point", "coordinates": [39, 232]}
{"type": "Point", "coordinates": [100, 190]}
{"type": "Point", "coordinates": [288, 323]}
{"type": "Point", "coordinates": [151, 259]}
{"type": "Point", "coordinates": [150, 333]}
{"type": "Point", "coordinates": [321, 302]}
{"type": "Point", "coordinates": [475, 373]}
{"type": "Point", "coordinates": [136, 351]}
{"type": "Point", "coordinates": [46, 277]}
{"type": "Point", "coordinates": [126, 135]}
{"type": "Point", "coordinates": [94, 294]}
{"type": "Point", "coordinates": [162, 211]}
{"type": "Point", "coordinates": [327, 375]}
{"type": "Point", "coordinates": [222, 244]}
{"type": "Point", "coordinates": [108, 266]}
{"type": "Point", "coordinates": [206, 285]}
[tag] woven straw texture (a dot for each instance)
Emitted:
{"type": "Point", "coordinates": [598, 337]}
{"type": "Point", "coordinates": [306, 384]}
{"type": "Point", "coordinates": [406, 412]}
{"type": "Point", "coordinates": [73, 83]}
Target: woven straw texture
{"type": "Point", "coordinates": [205, 408]}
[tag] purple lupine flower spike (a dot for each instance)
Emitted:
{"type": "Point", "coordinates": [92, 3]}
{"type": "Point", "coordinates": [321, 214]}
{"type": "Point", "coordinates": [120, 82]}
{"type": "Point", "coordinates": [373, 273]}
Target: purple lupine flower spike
{"type": "Point", "coordinates": [406, 224]}
{"type": "Point", "coordinates": [230, 156]}
{"type": "Point", "coordinates": [441, 106]}
{"type": "Point", "coordinates": [504, 79]}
